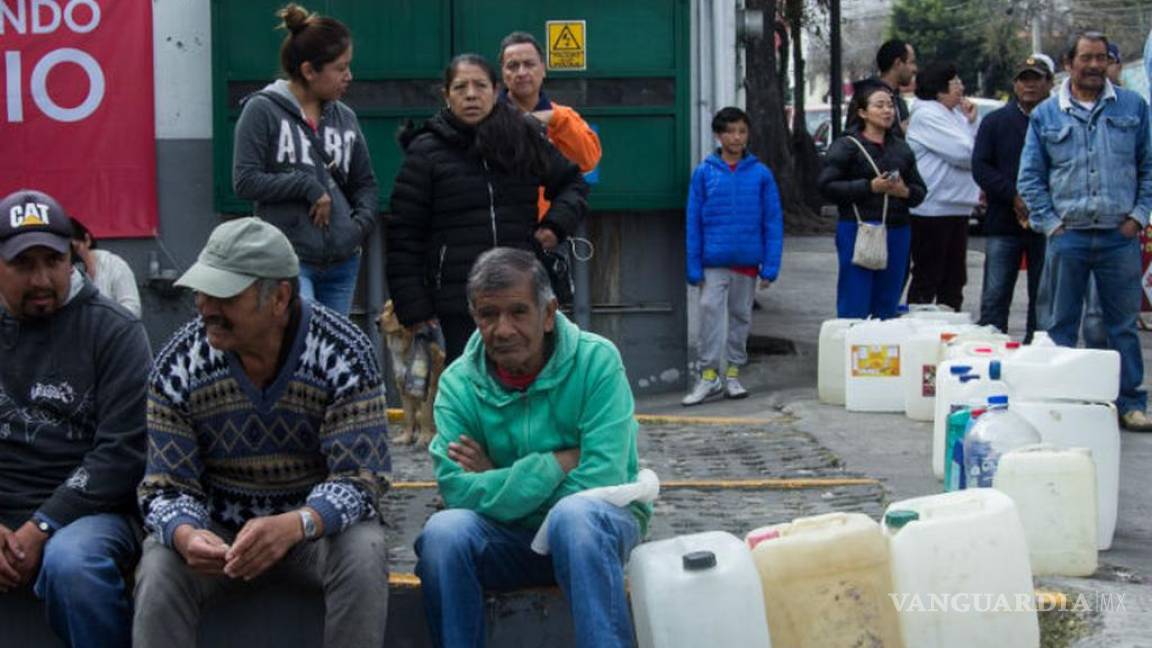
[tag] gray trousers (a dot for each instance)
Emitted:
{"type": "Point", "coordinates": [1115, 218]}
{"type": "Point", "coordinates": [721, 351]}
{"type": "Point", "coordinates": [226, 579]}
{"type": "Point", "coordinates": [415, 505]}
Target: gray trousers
{"type": "Point", "coordinates": [725, 318]}
{"type": "Point", "coordinates": [351, 567]}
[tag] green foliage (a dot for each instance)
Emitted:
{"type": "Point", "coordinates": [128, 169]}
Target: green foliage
{"type": "Point", "coordinates": [935, 29]}
{"type": "Point", "coordinates": [1126, 22]}
{"type": "Point", "coordinates": [982, 39]}
{"type": "Point", "coordinates": [1004, 46]}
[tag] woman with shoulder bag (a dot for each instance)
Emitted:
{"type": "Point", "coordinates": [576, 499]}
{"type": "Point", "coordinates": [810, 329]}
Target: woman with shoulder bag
{"type": "Point", "coordinates": [871, 176]}
{"type": "Point", "coordinates": [470, 182]}
{"type": "Point", "coordinates": [301, 157]}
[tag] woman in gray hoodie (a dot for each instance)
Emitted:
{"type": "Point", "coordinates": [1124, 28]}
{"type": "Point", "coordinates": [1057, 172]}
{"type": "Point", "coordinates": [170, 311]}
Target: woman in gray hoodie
{"type": "Point", "coordinates": [300, 156]}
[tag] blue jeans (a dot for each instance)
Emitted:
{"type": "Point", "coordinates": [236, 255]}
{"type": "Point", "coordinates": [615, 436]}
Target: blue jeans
{"type": "Point", "coordinates": [81, 582]}
{"type": "Point", "coordinates": [870, 293]}
{"type": "Point", "coordinates": [332, 285]}
{"type": "Point", "coordinates": [1092, 330]}
{"type": "Point", "coordinates": [1114, 262]}
{"type": "Point", "coordinates": [462, 554]}
{"type": "Point", "coordinates": [1002, 256]}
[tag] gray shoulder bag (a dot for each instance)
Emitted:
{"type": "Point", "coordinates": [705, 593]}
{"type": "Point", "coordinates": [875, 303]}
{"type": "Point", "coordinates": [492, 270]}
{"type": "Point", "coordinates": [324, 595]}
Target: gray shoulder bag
{"type": "Point", "coordinates": [871, 249]}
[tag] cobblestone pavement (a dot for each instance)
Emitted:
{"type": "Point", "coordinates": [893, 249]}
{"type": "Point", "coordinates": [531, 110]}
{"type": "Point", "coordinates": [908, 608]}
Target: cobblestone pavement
{"type": "Point", "coordinates": [728, 477]}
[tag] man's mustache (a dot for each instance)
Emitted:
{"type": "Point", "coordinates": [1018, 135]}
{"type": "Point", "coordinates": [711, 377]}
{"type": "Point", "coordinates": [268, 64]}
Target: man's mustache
{"type": "Point", "coordinates": [38, 294]}
{"type": "Point", "coordinates": [219, 321]}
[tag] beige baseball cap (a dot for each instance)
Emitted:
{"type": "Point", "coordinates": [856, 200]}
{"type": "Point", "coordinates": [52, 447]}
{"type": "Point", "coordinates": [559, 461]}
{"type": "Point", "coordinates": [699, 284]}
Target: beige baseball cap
{"type": "Point", "coordinates": [239, 252]}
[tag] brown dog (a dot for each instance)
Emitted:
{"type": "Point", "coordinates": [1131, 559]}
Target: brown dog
{"type": "Point", "coordinates": [419, 426]}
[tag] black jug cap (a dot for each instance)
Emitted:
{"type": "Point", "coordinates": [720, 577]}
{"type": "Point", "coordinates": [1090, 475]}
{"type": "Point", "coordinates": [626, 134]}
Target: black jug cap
{"type": "Point", "coordinates": [698, 560]}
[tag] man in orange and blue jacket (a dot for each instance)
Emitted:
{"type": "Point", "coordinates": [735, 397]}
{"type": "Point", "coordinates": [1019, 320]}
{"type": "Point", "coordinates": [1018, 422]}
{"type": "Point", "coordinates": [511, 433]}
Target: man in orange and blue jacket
{"type": "Point", "coordinates": [522, 66]}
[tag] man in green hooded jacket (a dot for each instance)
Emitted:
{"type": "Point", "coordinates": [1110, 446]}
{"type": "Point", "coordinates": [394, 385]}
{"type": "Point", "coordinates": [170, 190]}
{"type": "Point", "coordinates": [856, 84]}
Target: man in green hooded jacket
{"type": "Point", "coordinates": [535, 411]}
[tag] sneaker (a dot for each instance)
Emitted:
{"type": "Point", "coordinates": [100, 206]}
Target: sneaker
{"type": "Point", "coordinates": [733, 388]}
{"type": "Point", "coordinates": [703, 390]}
{"type": "Point", "coordinates": [1135, 421]}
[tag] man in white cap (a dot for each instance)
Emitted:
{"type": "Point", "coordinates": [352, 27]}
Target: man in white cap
{"type": "Point", "coordinates": [72, 392]}
{"type": "Point", "coordinates": [267, 449]}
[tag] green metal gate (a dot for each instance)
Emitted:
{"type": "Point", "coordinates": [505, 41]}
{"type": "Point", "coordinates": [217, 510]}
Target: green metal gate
{"type": "Point", "coordinates": [634, 90]}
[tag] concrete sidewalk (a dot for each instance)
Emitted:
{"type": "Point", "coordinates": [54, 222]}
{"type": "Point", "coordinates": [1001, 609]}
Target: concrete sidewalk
{"type": "Point", "coordinates": [897, 450]}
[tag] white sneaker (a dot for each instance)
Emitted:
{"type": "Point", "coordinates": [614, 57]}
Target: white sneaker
{"type": "Point", "coordinates": [703, 390]}
{"type": "Point", "coordinates": [733, 388]}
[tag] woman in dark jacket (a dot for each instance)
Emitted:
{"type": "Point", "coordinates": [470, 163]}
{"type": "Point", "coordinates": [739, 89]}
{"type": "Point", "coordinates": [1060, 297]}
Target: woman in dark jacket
{"type": "Point", "coordinates": [470, 182]}
{"type": "Point", "coordinates": [849, 179]}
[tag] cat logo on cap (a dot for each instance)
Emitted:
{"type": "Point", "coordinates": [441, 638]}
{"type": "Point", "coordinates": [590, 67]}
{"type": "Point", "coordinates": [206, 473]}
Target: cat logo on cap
{"type": "Point", "coordinates": [30, 214]}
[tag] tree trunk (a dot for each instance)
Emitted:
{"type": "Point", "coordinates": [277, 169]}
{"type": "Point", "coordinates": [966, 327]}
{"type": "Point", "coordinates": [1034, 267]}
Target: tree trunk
{"type": "Point", "coordinates": [805, 158]}
{"type": "Point", "coordinates": [770, 140]}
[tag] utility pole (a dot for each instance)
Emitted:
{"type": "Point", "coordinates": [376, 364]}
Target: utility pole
{"type": "Point", "coordinates": [1036, 46]}
{"type": "Point", "coordinates": [835, 81]}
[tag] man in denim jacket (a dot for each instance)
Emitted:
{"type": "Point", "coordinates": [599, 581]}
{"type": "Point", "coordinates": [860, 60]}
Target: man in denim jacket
{"type": "Point", "coordinates": [1086, 176]}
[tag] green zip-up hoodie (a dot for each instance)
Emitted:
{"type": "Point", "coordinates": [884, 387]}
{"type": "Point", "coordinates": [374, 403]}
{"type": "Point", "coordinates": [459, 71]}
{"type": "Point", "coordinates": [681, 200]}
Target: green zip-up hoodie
{"type": "Point", "coordinates": [580, 399]}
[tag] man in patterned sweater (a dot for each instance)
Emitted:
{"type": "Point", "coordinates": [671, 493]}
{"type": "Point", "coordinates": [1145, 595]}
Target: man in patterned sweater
{"type": "Point", "coordinates": [267, 449]}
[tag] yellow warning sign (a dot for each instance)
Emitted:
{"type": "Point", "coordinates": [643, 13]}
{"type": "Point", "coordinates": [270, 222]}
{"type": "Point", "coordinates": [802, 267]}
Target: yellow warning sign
{"type": "Point", "coordinates": [567, 46]}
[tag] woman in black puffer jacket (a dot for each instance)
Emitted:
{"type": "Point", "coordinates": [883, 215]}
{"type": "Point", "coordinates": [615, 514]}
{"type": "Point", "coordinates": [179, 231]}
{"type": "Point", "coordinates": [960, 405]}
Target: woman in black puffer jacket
{"type": "Point", "coordinates": [470, 182]}
{"type": "Point", "coordinates": [849, 180]}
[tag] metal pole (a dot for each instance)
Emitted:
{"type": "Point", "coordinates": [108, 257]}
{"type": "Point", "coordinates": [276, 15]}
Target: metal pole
{"type": "Point", "coordinates": [581, 301]}
{"type": "Point", "coordinates": [1036, 46]}
{"type": "Point", "coordinates": [374, 297]}
{"type": "Point", "coordinates": [835, 81]}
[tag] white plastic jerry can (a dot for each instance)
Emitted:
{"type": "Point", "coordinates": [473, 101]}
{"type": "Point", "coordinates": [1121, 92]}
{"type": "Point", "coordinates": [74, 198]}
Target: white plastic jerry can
{"type": "Point", "coordinates": [964, 348]}
{"type": "Point", "coordinates": [826, 581]}
{"type": "Point", "coordinates": [694, 591]}
{"type": "Point", "coordinates": [922, 353]}
{"type": "Point", "coordinates": [1084, 425]}
{"type": "Point", "coordinates": [938, 314]}
{"type": "Point", "coordinates": [830, 360]}
{"type": "Point", "coordinates": [962, 382]}
{"type": "Point", "coordinates": [960, 571]}
{"type": "Point", "coordinates": [873, 366]}
{"type": "Point", "coordinates": [1063, 373]}
{"type": "Point", "coordinates": [1055, 494]}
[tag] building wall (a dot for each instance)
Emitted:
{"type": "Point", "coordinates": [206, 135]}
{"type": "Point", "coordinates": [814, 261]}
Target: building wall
{"type": "Point", "coordinates": [183, 68]}
{"type": "Point", "coordinates": [636, 290]}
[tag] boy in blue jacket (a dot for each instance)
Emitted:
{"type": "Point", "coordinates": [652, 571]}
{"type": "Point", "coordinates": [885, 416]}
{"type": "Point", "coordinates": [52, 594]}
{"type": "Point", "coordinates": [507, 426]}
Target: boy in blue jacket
{"type": "Point", "coordinates": [735, 234]}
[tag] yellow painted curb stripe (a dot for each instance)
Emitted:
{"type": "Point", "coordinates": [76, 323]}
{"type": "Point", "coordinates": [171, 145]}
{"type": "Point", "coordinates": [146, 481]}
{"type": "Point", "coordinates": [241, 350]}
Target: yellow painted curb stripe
{"type": "Point", "coordinates": [396, 415]}
{"type": "Point", "coordinates": [403, 580]}
{"type": "Point", "coordinates": [769, 484]}
{"type": "Point", "coordinates": [1049, 600]}
{"type": "Point", "coordinates": [729, 484]}
{"type": "Point", "coordinates": [412, 581]}
{"type": "Point", "coordinates": [660, 419]}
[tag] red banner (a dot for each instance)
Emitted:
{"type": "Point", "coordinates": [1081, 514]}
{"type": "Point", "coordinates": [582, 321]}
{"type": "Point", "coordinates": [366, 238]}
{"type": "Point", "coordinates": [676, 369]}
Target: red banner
{"type": "Point", "coordinates": [77, 112]}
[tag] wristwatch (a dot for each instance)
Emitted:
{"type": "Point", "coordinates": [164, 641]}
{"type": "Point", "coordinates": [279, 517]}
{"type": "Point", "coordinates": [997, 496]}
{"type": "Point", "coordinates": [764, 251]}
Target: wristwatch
{"type": "Point", "coordinates": [308, 524]}
{"type": "Point", "coordinates": [43, 526]}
